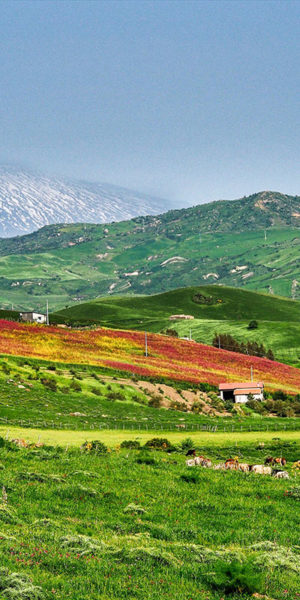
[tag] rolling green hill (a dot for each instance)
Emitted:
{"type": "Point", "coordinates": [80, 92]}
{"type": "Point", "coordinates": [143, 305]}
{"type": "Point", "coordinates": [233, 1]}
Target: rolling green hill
{"type": "Point", "coordinates": [230, 311]}
{"type": "Point", "coordinates": [252, 242]}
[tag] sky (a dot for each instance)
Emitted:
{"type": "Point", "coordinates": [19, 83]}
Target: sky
{"type": "Point", "coordinates": [190, 101]}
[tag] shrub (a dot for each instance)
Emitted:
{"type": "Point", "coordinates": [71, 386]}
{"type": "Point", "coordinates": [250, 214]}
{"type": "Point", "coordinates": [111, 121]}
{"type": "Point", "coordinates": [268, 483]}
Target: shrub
{"type": "Point", "coordinates": [159, 444]}
{"type": "Point", "coordinates": [253, 325]}
{"type": "Point", "coordinates": [131, 444]}
{"type": "Point", "coordinates": [95, 447]}
{"type": "Point", "coordinates": [171, 332]}
{"type": "Point", "coordinates": [18, 586]}
{"type": "Point", "coordinates": [5, 368]}
{"type": "Point", "coordinates": [115, 396]}
{"type": "Point", "coordinates": [202, 299]}
{"type": "Point", "coordinates": [155, 401]}
{"type": "Point", "coordinates": [82, 544]}
{"type": "Point", "coordinates": [187, 444]}
{"type": "Point", "coordinates": [141, 400]}
{"type": "Point", "coordinates": [75, 386]}
{"type": "Point", "coordinates": [236, 577]}
{"type": "Point", "coordinates": [228, 405]}
{"type": "Point", "coordinates": [255, 405]}
{"type": "Point", "coordinates": [65, 389]}
{"type": "Point", "coordinates": [96, 391]}
{"type": "Point", "coordinates": [51, 384]}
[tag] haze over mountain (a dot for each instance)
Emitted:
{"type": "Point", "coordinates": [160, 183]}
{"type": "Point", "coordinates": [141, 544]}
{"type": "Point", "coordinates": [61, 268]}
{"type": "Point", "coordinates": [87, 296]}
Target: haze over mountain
{"type": "Point", "coordinates": [30, 200]}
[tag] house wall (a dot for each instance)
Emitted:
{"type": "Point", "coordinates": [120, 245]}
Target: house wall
{"type": "Point", "coordinates": [243, 398]}
{"type": "Point", "coordinates": [33, 317]}
{"type": "Point", "coordinates": [39, 318]}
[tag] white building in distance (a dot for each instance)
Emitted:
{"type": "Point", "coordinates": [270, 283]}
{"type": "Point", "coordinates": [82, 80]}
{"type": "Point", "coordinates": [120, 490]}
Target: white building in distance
{"type": "Point", "coordinates": [33, 317]}
{"type": "Point", "coordinates": [239, 392]}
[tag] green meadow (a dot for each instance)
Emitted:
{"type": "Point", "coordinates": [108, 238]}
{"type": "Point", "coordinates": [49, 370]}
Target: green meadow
{"type": "Point", "coordinates": [112, 438]}
{"type": "Point", "coordinates": [136, 524]}
{"type": "Point", "coordinates": [97, 502]}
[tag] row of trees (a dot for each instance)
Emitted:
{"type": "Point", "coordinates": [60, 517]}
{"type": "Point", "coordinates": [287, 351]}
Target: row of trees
{"type": "Point", "coordinates": [228, 342]}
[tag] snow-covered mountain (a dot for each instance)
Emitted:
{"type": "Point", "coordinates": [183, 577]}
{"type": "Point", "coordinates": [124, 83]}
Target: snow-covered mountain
{"type": "Point", "coordinates": [29, 200]}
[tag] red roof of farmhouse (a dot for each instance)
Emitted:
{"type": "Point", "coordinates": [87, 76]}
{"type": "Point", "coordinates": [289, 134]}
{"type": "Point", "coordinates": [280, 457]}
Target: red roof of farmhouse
{"type": "Point", "coordinates": [247, 391]}
{"type": "Point", "coordinates": [241, 386]}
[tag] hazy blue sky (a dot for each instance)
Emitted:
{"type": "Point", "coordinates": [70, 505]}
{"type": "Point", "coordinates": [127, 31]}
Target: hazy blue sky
{"type": "Point", "coordinates": [188, 100]}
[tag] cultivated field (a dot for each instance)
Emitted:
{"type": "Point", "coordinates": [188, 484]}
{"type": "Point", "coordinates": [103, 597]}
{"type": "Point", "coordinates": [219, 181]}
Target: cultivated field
{"type": "Point", "coordinates": [125, 351]}
{"type": "Point", "coordinates": [229, 312]}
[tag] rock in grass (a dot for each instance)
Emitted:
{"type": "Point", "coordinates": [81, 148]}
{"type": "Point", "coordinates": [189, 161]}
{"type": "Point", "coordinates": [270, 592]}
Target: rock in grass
{"type": "Point", "coordinates": [134, 508]}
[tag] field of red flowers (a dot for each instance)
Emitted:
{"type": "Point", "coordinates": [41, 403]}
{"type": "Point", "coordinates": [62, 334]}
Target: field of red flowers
{"type": "Point", "coordinates": [124, 350]}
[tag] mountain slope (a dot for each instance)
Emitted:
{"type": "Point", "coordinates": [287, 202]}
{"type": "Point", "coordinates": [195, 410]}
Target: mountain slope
{"type": "Point", "coordinates": [252, 242]}
{"type": "Point", "coordinates": [29, 201]}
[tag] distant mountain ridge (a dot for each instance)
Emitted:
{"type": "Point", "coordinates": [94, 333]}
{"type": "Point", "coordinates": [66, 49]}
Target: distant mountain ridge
{"type": "Point", "coordinates": [29, 200]}
{"type": "Point", "coordinates": [252, 242]}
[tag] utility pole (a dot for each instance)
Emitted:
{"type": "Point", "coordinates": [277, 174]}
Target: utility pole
{"type": "Point", "coordinates": [47, 313]}
{"type": "Point", "coordinates": [265, 235]}
{"type": "Point", "coordinates": [146, 344]}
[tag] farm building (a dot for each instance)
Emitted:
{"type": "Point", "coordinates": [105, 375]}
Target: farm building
{"type": "Point", "coordinates": [33, 317]}
{"type": "Point", "coordinates": [175, 317]}
{"type": "Point", "coordinates": [239, 392]}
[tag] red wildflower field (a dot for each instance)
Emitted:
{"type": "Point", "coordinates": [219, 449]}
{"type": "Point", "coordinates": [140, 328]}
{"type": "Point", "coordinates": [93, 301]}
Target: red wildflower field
{"type": "Point", "coordinates": [124, 350]}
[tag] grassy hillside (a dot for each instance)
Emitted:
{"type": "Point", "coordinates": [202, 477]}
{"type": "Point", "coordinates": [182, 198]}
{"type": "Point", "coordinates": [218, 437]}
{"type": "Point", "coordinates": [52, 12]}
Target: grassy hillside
{"type": "Point", "coordinates": [43, 394]}
{"type": "Point", "coordinates": [88, 525]}
{"type": "Point", "coordinates": [230, 312]}
{"type": "Point", "coordinates": [125, 351]}
{"type": "Point", "coordinates": [252, 243]}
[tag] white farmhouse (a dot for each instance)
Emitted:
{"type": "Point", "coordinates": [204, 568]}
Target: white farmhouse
{"type": "Point", "coordinates": [239, 392]}
{"type": "Point", "coordinates": [33, 317]}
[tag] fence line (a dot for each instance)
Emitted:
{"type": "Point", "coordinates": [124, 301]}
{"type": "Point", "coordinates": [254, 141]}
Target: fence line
{"type": "Point", "coordinates": [138, 426]}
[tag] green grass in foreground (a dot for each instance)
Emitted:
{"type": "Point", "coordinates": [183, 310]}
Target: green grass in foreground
{"type": "Point", "coordinates": [141, 525]}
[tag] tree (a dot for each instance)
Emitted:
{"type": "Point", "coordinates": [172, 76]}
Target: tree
{"type": "Point", "coordinates": [270, 354]}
